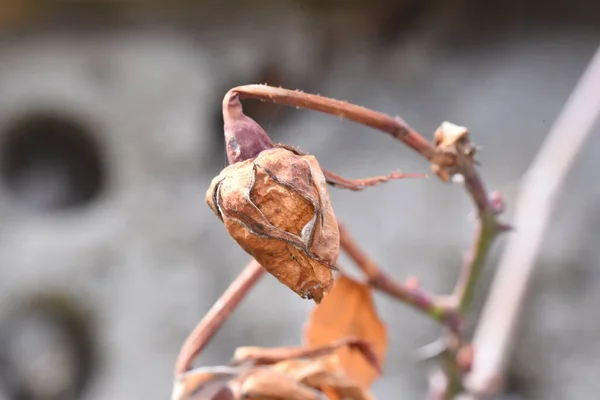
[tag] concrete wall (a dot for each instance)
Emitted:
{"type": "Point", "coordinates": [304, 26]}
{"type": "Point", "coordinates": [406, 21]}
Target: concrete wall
{"type": "Point", "coordinates": [110, 133]}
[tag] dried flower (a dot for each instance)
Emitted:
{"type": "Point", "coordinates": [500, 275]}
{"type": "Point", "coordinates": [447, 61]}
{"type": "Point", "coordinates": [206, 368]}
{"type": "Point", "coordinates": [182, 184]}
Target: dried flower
{"type": "Point", "coordinates": [277, 208]}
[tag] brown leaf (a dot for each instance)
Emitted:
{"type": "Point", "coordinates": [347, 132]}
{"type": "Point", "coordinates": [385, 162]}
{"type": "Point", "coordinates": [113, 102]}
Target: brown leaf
{"type": "Point", "coordinates": [349, 311]}
{"type": "Point", "coordinates": [276, 206]}
{"type": "Point", "coordinates": [265, 356]}
{"type": "Point", "coordinates": [326, 375]}
{"type": "Point", "coordinates": [211, 383]}
{"type": "Point", "coordinates": [267, 384]}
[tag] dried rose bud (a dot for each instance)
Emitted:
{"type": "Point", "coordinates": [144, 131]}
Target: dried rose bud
{"type": "Point", "coordinates": [276, 206]}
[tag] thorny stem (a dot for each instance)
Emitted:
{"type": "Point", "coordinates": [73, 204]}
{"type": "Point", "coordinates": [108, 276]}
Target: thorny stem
{"type": "Point", "coordinates": [487, 230]}
{"type": "Point", "coordinates": [395, 127]}
{"type": "Point", "coordinates": [414, 296]}
{"type": "Point", "coordinates": [495, 334]}
{"type": "Point", "coordinates": [217, 315]}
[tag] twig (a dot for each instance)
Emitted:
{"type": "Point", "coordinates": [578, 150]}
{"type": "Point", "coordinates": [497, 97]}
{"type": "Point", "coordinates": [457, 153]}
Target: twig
{"type": "Point", "coordinates": [494, 336]}
{"type": "Point", "coordinates": [487, 230]}
{"type": "Point", "coordinates": [414, 296]}
{"type": "Point", "coordinates": [395, 127]}
{"type": "Point", "coordinates": [217, 315]}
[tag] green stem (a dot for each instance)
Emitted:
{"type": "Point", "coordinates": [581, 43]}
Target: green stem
{"type": "Point", "coordinates": [488, 230]}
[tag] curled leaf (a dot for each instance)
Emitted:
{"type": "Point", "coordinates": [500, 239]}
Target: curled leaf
{"type": "Point", "coordinates": [267, 384]}
{"type": "Point", "coordinates": [265, 356]}
{"type": "Point", "coordinates": [325, 375]}
{"type": "Point", "coordinates": [210, 383]}
{"type": "Point", "coordinates": [276, 206]}
{"type": "Point", "coordinates": [349, 311]}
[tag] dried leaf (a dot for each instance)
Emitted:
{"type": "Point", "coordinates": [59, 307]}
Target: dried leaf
{"type": "Point", "coordinates": [276, 206]}
{"type": "Point", "coordinates": [265, 356]}
{"type": "Point", "coordinates": [326, 375]}
{"type": "Point", "coordinates": [267, 384]}
{"type": "Point", "coordinates": [211, 383]}
{"type": "Point", "coordinates": [349, 311]}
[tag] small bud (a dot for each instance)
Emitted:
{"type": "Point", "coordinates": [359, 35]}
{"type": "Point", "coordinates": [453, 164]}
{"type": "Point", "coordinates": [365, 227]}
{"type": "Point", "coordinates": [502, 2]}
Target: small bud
{"type": "Point", "coordinates": [455, 149]}
{"type": "Point", "coordinates": [276, 206]}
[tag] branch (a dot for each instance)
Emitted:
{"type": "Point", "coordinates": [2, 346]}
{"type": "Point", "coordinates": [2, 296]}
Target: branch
{"type": "Point", "coordinates": [487, 230]}
{"type": "Point", "coordinates": [409, 294]}
{"type": "Point", "coordinates": [217, 315]}
{"type": "Point", "coordinates": [494, 336]}
{"type": "Point", "coordinates": [395, 127]}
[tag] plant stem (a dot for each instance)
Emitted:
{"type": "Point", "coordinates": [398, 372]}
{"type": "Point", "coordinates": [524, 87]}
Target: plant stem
{"type": "Point", "coordinates": [217, 315]}
{"type": "Point", "coordinates": [395, 127]}
{"type": "Point", "coordinates": [495, 333]}
{"type": "Point", "coordinates": [487, 230]}
{"type": "Point", "coordinates": [414, 296]}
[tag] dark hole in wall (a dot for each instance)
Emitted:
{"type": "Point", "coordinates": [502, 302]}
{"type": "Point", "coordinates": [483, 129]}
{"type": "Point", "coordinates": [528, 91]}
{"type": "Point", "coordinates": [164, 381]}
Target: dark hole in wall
{"type": "Point", "coordinates": [47, 349]}
{"type": "Point", "coordinates": [51, 161]}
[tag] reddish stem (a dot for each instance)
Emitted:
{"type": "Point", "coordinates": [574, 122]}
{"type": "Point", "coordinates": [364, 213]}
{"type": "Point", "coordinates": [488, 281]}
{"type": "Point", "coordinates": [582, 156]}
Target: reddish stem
{"type": "Point", "coordinates": [217, 315]}
{"type": "Point", "coordinates": [411, 295]}
{"type": "Point", "coordinates": [394, 126]}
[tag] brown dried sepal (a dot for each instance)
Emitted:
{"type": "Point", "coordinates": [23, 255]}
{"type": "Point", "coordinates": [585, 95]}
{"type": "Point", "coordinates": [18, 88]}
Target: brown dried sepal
{"type": "Point", "coordinates": [276, 207]}
{"type": "Point", "coordinates": [352, 184]}
{"type": "Point", "coordinates": [455, 150]}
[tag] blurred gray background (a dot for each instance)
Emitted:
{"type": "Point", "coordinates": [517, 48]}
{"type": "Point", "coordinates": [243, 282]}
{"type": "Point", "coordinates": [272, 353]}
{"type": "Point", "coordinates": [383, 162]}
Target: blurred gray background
{"type": "Point", "coordinates": [111, 130]}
